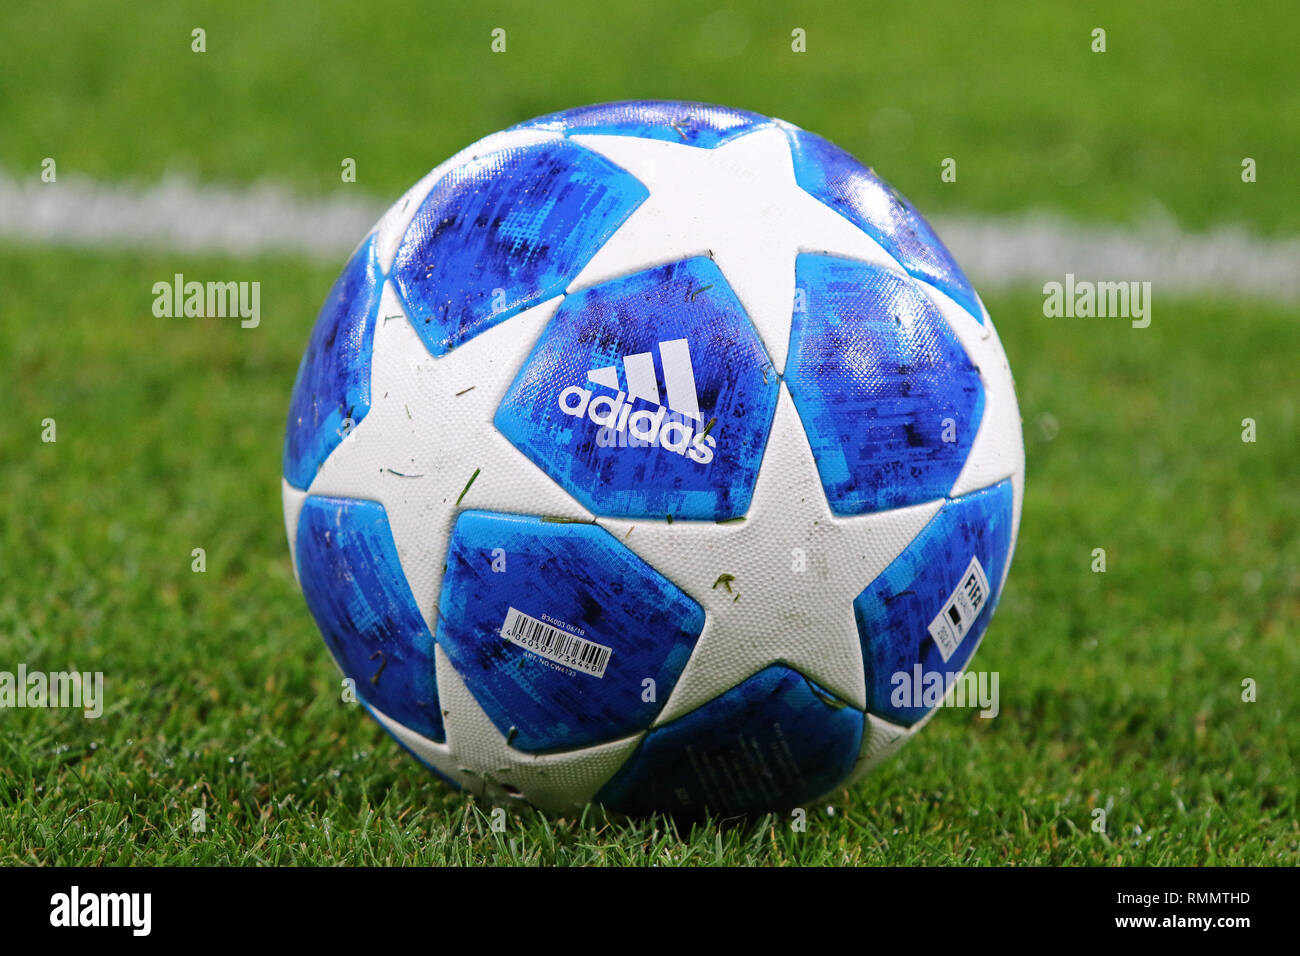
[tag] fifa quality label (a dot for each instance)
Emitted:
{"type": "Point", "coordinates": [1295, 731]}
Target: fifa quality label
{"type": "Point", "coordinates": [951, 624]}
{"type": "Point", "coordinates": [555, 642]}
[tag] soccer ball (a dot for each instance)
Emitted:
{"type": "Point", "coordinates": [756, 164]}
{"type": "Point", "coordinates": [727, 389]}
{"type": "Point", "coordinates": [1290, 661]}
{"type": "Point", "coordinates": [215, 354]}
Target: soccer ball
{"type": "Point", "coordinates": [652, 454]}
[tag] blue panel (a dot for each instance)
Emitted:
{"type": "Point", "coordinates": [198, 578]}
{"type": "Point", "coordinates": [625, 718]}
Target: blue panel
{"type": "Point", "coordinates": [875, 371]}
{"type": "Point", "coordinates": [584, 434]}
{"type": "Point", "coordinates": [333, 384]}
{"type": "Point", "coordinates": [579, 581]}
{"type": "Point", "coordinates": [693, 124]}
{"type": "Point", "coordinates": [895, 611]}
{"type": "Point", "coordinates": [773, 742]}
{"type": "Point", "coordinates": [867, 201]}
{"type": "Point", "coordinates": [506, 232]}
{"type": "Point", "coordinates": [357, 591]}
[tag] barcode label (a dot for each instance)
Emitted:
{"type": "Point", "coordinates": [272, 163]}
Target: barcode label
{"type": "Point", "coordinates": [555, 644]}
{"type": "Point", "coordinates": [952, 623]}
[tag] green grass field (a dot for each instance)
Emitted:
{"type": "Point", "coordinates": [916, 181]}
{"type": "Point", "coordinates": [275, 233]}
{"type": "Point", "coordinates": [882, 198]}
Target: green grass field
{"type": "Point", "coordinates": [1120, 691]}
{"type": "Point", "coordinates": [1155, 126]}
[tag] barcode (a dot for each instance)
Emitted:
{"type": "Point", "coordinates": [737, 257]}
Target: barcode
{"type": "Point", "coordinates": [961, 609]}
{"type": "Point", "coordinates": [555, 644]}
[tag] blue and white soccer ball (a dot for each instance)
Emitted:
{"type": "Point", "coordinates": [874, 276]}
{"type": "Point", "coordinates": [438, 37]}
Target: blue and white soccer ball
{"type": "Point", "coordinates": [652, 454]}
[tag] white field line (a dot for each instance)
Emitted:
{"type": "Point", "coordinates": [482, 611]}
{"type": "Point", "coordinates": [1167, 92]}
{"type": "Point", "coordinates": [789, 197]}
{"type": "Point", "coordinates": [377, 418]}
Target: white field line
{"type": "Point", "coordinates": [1034, 249]}
{"type": "Point", "coordinates": [179, 216]}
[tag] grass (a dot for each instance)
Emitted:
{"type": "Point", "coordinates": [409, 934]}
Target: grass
{"type": "Point", "coordinates": [1155, 127]}
{"type": "Point", "coordinates": [1120, 691]}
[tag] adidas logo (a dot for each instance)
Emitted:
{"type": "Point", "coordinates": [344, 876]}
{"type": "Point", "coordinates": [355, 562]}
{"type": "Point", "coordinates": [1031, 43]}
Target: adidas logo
{"type": "Point", "coordinates": [674, 434]}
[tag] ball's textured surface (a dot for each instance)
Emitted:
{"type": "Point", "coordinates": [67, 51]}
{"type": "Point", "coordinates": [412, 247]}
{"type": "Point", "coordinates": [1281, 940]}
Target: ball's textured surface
{"type": "Point", "coordinates": [653, 454]}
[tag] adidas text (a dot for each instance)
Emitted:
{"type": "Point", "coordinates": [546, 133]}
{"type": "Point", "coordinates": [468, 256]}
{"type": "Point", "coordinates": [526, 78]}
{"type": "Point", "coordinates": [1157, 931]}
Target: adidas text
{"type": "Point", "coordinates": [640, 426]}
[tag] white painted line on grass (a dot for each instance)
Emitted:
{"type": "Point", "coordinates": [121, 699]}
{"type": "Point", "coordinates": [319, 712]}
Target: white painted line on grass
{"type": "Point", "coordinates": [177, 215]}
